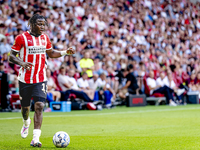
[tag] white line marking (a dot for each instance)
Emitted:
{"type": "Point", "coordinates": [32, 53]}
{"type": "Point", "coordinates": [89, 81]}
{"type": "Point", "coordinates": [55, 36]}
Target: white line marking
{"type": "Point", "coordinates": [111, 113]}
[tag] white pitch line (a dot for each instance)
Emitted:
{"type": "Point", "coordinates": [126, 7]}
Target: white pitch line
{"type": "Point", "coordinates": [111, 113]}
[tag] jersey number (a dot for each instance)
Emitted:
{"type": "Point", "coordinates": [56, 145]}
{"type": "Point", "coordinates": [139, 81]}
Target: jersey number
{"type": "Point", "coordinates": [43, 88]}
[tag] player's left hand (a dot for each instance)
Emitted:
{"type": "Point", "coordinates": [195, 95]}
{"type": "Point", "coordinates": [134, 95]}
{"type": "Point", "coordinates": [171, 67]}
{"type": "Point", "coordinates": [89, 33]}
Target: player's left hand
{"type": "Point", "coordinates": [70, 51]}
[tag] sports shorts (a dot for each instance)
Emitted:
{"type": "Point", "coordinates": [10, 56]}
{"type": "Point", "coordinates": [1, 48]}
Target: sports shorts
{"type": "Point", "coordinates": [28, 91]}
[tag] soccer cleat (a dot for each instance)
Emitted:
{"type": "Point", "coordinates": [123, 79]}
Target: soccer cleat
{"type": "Point", "coordinates": [24, 130]}
{"type": "Point", "coordinates": [36, 144]}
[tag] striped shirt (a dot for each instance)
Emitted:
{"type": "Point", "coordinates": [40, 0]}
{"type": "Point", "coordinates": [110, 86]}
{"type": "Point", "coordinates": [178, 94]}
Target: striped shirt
{"type": "Point", "coordinates": [32, 49]}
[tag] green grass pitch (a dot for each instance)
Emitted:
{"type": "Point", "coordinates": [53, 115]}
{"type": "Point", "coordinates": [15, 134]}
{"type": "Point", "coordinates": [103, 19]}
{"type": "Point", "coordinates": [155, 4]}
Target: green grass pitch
{"type": "Point", "coordinates": [135, 128]}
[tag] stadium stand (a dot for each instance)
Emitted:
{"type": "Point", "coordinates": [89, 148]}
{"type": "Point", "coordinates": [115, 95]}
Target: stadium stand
{"type": "Point", "coordinates": [163, 35]}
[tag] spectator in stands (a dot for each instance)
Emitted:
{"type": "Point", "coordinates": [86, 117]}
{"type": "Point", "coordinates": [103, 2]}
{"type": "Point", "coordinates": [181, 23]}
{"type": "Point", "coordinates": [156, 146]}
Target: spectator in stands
{"type": "Point", "coordinates": [162, 34]}
{"type": "Point", "coordinates": [191, 83]}
{"type": "Point", "coordinates": [169, 82]}
{"type": "Point", "coordinates": [103, 87]}
{"type": "Point", "coordinates": [66, 86]}
{"type": "Point", "coordinates": [4, 87]}
{"type": "Point", "coordinates": [93, 82]}
{"type": "Point", "coordinates": [4, 47]}
{"type": "Point", "coordinates": [51, 87]}
{"type": "Point", "coordinates": [160, 81]}
{"type": "Point", "coordinates": [83, 82]}
{"type": "Point", "coordinates": [87, 64]}
{"type": "Point", "coordinates": [84, 85]}
{"type": "Point", "coordinates": [131, 86]}
{"type": "Point", "coordinates": [154, 88]}
{"type": "Point", "coordinates": [89, 92]}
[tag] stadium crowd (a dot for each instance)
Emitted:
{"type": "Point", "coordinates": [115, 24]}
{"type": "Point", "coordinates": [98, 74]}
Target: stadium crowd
{"type": "Point", "coordinates": [154, 44]}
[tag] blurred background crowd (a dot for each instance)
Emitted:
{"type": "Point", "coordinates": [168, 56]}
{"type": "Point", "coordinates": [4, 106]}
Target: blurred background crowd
{"type": "Point", "coordinates": [109, 36]}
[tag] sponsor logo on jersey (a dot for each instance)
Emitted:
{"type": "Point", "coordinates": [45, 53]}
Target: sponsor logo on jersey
{"type": "Point", "coordinates": [36, 49]}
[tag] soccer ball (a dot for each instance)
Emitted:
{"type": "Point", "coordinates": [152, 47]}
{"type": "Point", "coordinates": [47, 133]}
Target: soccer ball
{"type": "Point", "coordinates": [61, 139]}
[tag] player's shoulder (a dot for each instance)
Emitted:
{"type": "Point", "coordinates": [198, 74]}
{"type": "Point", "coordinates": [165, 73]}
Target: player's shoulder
{"type": "Point", "coordinates": [44, 34]}
{"type": "Point", "coordinates": [20, 36]}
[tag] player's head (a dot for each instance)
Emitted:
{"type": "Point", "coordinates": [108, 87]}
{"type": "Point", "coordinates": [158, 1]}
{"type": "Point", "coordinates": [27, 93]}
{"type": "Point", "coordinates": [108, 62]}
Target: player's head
{"type": "Point", "coordinates": [37, 23]}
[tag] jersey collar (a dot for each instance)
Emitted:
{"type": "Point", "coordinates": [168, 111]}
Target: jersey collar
{"type": "Point", "coordinates": [33, 34]}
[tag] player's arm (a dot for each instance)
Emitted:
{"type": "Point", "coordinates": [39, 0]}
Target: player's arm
{"type": "Point", "coordinates": [16, 60]}
{"type": "Point", "coordinates": [68, 85]}
{"type": "Point", "coordinates": [55, 54]}
{"type": "Point", "coordinates": [128, 83]}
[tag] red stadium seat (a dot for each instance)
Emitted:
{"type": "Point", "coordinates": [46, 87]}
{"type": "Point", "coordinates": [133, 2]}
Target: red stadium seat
{"type": "Point", "coordinates": [72, 96]}
{"type": "Point", "coordinates": [57, 84]}
{"type": "Point", "coordinates": [14, 98]}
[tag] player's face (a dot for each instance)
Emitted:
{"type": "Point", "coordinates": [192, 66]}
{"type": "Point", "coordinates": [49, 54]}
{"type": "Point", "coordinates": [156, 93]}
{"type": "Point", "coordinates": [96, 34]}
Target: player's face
{"type": "Point", "coordinates": [39, 26]}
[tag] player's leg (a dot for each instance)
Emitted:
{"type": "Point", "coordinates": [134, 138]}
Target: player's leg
{"type": "Point", "coordinates": [38, 117]}
{"type": "Point", "coordinates": [25, 107]}
{"type": "Point", "coordinates": [39, 97]}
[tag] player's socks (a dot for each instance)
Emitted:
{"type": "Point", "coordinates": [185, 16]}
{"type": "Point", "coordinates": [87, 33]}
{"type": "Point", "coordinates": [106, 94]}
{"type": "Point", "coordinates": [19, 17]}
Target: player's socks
{"type": "Point", "coordinates": [36, 135]}
{"type": "Point", "coordinates": [27, 122]}
{"type": "Point", "coordinates": [25, 128]}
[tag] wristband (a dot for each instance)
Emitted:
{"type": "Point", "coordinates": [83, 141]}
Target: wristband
{"type": "Point", "coordinates": [63, 53]}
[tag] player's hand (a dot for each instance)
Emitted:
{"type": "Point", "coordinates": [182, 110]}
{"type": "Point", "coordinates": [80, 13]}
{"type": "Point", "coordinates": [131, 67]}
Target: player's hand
{"type": "Point", "coordinates": [27, 65]}
{"type": "Point", "coordinates": [70, 51]}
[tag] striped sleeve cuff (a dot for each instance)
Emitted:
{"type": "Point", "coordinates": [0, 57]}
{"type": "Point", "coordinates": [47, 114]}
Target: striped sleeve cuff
{"type": "Point", "coordinates": [49, 49]}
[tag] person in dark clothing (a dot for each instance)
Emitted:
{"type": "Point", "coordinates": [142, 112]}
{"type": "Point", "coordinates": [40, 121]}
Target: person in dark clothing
{"type": "Point", "coordinates": [79, 94]}
{"type": "Point", "coordinates": [131, 85]}
{"type": "Point", "coordinates": [3, 87]}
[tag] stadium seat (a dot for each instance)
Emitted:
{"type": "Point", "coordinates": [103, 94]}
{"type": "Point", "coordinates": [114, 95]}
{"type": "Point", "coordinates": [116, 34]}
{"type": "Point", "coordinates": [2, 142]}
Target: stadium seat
{"type": "Point", "coordinates": [15, 100]}
{"type": "Point", "coordinates": [57, 84]}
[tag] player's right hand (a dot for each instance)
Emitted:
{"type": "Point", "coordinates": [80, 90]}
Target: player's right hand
{"type": "Point", "coordinates": [27, 65]}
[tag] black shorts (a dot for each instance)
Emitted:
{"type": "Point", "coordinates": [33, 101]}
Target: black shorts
{"type": "Point", "coordinates": [27, 91]}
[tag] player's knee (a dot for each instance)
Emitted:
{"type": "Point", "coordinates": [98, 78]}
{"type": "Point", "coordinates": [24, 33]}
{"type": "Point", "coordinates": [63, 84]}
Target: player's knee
{"type": "Point", "coordinates": [26, 107]}
{"type": "Point", "coordinates": [39, 106]}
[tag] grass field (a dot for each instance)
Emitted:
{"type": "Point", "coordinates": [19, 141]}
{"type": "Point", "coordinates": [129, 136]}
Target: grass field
{"type": "Point", "coordinates": [135, 128]}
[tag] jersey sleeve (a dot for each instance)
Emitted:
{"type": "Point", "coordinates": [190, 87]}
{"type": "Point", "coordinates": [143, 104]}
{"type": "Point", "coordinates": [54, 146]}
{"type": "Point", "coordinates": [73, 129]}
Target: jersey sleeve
{"type": "Point", "coordinates": [18, 44]}
{"type": "Point", "coordinates": [48, 46]}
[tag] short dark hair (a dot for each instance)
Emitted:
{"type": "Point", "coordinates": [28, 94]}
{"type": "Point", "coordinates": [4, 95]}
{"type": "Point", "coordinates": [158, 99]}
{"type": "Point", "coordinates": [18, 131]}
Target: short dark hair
{"type": "Point", "coordinates": [130, 66]}
{"type": "Point", "coordinates": [34, 18]}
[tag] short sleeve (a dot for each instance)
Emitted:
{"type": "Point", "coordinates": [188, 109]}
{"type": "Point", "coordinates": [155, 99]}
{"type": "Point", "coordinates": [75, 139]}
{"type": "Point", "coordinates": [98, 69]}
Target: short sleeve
{"type": "Point", "coordinates": [48, 46]}
{"type": "Point", "coordinates": [18, 44]}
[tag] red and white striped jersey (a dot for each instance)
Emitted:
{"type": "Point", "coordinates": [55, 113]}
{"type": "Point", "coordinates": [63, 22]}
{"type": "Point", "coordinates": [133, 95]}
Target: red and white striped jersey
{"type": "Point", "coordinates": [32, 49]}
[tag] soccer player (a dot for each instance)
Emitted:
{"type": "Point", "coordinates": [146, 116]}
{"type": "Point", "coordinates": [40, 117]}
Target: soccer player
{"type": "Point", "coordinates": [32, 47]}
